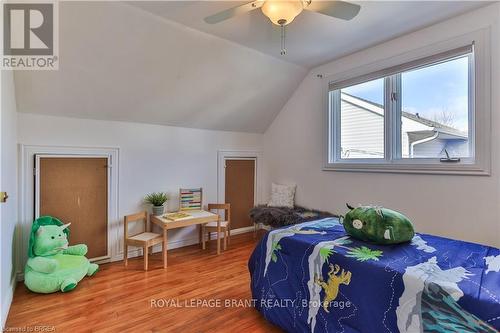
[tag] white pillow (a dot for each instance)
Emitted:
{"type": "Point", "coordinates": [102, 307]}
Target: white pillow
{"type": "Point", "coordinates": [282, 195]}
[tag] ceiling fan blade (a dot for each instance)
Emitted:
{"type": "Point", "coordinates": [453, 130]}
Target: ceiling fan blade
{"type": "Point", "coordinates": [339, 9]}
{"type": "Point", "coordinates": [227, 14]}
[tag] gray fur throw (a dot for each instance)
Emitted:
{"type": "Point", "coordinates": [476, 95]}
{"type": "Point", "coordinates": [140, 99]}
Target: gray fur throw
{"type": "Point", "coordinates": [276, 217]}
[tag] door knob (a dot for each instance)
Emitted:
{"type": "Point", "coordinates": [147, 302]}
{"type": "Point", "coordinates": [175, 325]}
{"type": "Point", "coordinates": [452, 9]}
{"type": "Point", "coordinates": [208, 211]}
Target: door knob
{"type": "Point", "coordinates": [3, 197]}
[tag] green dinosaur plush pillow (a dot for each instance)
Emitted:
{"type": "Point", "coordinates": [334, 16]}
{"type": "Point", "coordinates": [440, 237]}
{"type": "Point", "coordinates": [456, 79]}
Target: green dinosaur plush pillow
{"type": "Point", "coordinates": [378, 225]}
{"type": "Point", "coordinates": [52, 264]}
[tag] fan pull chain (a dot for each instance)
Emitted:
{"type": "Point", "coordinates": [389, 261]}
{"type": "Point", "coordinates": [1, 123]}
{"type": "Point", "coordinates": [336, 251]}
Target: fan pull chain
{"type": "Point", "coordinates": [283, 36]}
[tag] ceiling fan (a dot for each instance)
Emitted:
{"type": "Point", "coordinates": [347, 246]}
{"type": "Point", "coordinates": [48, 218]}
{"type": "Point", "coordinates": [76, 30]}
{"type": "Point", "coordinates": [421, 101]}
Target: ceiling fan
{"type": "Point", "coordinates": [283, 12]}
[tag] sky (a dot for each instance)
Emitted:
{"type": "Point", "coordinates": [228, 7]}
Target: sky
{"type": "Point", "coordinates": [431, 92]}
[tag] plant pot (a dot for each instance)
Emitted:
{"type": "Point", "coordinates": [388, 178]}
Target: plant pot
{"type": "Point", "coordinates": [158, 210]}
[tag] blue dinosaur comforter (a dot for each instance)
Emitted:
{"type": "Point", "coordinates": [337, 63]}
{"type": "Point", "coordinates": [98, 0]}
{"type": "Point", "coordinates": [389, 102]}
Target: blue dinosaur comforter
{"type": "Point", "coordinates": [312, 277]}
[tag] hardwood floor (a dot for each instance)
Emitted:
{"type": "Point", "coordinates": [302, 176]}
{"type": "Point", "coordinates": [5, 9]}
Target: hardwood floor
{"type": "Point", "coordinates": [119, 299]}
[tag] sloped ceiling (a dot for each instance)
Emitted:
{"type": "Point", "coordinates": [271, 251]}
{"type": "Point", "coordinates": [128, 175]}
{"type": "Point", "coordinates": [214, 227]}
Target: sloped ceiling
{"type": "Point", "coordinates": [119, 62]}
{"type": "Point", "coordinates": [158, 62]}
{"type": "Point", "coordinates": [312, 38]}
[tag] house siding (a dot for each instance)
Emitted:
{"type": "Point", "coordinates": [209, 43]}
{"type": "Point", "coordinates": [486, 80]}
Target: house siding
{"type": "Point", "coordinates": [409, 125]}
{"type": "Point", "coordinates": [361, 131]}
{"type": "Point", "coordinates": [431, 148]}
{"type": "Point", "coordinates": [362, 134]}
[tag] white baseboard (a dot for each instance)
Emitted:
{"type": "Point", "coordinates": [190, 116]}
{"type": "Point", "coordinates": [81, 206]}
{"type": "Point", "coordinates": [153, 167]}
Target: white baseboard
{"type": "Point", "coordinates": [137, 252]}
{"type": "Point", "coordinates": [236, 231]}
{"type": "Point", "coordinates": [7, 302]}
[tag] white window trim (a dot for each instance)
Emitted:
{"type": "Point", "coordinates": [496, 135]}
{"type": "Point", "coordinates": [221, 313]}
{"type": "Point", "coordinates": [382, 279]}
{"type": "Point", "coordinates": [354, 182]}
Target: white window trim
{"type": "Point", "coordinates": [481, 101]}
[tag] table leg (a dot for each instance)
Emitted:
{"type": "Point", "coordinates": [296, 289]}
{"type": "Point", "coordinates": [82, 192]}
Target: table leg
{"type": "Point", "coordinates": [203, 232]}
{"type": "Point", "coordinates": [200, 231]}
{"type": "Point", "coordinates": [218, 235]}
{"type": "Point", "coordinates": [164, 248]}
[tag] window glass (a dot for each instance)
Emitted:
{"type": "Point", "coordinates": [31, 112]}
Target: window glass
{"type": "Point", "coordinates": [362, 120]}
{"type": "Point", "coordinates": [416, 117]}
{"type": "Point", "coordinates": [435, 115]}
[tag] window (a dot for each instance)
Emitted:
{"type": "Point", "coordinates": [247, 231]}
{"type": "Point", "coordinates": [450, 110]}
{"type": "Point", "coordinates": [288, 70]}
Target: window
{"type": "Point", "coordinates": [361, 130]}
{"type": "Point", "coordinates": [435, 110]}
{"type": "Point", "coordinates": [415, 116]}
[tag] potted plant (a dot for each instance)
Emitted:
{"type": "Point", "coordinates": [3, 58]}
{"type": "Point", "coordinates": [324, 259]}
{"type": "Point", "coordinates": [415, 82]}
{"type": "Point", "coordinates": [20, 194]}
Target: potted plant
{"type": "Point", "coordinates": [157, 199]}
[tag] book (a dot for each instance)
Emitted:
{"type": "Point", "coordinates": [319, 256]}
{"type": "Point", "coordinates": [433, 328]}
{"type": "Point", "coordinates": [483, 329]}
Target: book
{"type": "Point", "coordinates": [176, 216]}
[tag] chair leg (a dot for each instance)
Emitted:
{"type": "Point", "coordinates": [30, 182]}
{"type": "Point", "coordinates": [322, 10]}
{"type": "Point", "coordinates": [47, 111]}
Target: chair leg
{"type": "Point", "coordinates": [209, 236]}
{"type": "Point", "coordinates": [228, 236]}
{"type": "Point", "coordinates": [146, 250]}
{"type": "Point", "coordinates": [125, 254]}
{"type": "Point", "coordinates": [225, 240]}
{"type": "Point", "coordinates": [254, 230]}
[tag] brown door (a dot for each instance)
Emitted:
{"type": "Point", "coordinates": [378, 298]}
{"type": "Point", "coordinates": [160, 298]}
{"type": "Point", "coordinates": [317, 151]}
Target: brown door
{"type": "Point", "coordinates": [76, 190]}
{"type": "Point", "coordinates": [240, 183]}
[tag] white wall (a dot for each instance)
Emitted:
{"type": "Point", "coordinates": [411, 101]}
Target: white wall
{"type": "Point", "coordinates": [8, 181]}
{"type": "Point", "coordinates": [464, 207]}
{"type": "Point", "coordinates": [152, 157]}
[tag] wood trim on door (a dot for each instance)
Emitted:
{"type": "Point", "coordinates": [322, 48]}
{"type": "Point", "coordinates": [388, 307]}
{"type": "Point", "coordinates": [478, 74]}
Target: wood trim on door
{"type": "Point", "coordinates": [75, 189]}
{"type": "Point", "coordinates": [239, 154]}
{"type": "Point", "coordinates": [27, 181]}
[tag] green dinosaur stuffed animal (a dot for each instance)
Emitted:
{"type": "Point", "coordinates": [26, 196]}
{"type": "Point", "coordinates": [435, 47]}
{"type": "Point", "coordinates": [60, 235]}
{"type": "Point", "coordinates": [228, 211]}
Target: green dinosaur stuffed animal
{"type": "Point", "coordinates": [52, 264]}
{"type": "Point", "coordinates": [378, 225]}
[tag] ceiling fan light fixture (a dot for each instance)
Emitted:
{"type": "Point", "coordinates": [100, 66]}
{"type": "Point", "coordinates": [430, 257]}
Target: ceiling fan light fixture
{"type": "Point", "coordinates": [282, 12]}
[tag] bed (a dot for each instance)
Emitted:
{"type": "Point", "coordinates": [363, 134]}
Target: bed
{"type": "Point", "coordinates": [312, 277]}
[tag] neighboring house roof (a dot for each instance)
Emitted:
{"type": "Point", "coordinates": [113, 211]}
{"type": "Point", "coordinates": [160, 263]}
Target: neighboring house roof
{"type": "Point", "coordinates": [379, 109]}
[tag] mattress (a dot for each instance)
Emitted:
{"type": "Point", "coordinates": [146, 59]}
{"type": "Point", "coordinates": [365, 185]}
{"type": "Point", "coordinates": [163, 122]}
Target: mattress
{"type": "Point", "coordinates": [313, 277]}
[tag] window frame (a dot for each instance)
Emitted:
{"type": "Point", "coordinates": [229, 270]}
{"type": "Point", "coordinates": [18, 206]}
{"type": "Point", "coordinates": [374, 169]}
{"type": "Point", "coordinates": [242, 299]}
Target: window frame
{"type": "Point", "coordinates": [479, 110]}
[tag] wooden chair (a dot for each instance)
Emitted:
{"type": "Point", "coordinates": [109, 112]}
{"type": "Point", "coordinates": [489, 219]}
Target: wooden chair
{"type": "Point", "coordinates": [225, 226]}
{"type": "Point", "coordinates": [145, 239]}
